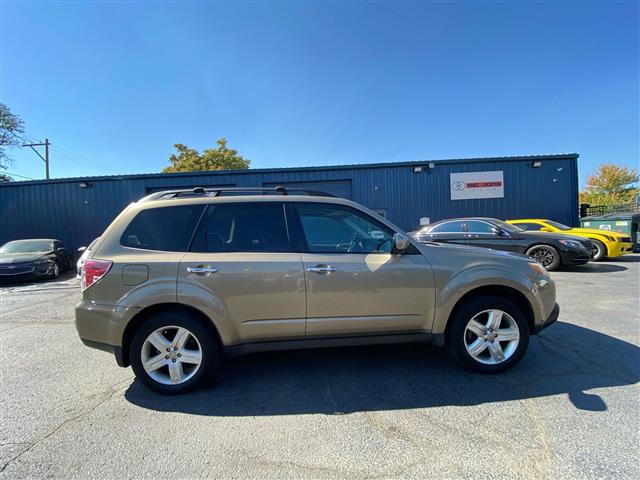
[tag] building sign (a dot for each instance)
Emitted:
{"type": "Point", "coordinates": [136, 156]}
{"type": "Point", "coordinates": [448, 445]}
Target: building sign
{"type": "Point", "coordinates": [471, 185]}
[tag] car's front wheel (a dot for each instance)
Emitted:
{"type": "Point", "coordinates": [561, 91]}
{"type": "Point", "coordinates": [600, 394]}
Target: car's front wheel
{"type": "Point", "coordinates": [547, 256]}
{"type": "Point", "coordinates": [54, 272]}
{"type": "Point", "coordinates": [600, 250]}
{"type": "Point", "coordinates": [488, 334]}
{"type": "Point", "coordinates": [173, 353]}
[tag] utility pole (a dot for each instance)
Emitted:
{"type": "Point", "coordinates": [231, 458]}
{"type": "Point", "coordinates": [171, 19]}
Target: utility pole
{"type": "Point", "coordinates": [45, 159]}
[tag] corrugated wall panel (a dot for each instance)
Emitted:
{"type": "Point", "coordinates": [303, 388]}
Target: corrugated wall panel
{"type": "Point", "coordinates": [62, 209]}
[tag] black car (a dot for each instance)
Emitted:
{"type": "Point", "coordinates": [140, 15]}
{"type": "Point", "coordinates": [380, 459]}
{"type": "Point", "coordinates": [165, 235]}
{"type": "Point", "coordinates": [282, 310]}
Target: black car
{"type": "Point", "coordinates": [34, 258]}
{"type": "Point", "coordinates": [550, 249]}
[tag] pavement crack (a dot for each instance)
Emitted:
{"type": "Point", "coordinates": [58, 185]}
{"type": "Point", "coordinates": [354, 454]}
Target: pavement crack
{"type": "Point", "coordinates": [107, 395]}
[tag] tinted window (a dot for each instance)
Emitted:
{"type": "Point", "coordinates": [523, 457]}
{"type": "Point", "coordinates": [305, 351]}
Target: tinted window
{"type": "Point", "coordinates": [338, 229]}
{"type": "Point", "coordinates": [244, 227]}
{"type": "Point", "coordinates": [169, 229]}
{"type": "Point", "coordinates": [475, 226]}
{"type": "Point", "coordinates": [447, 227]}
{"type": "Point", "coordinates": [530, 226]}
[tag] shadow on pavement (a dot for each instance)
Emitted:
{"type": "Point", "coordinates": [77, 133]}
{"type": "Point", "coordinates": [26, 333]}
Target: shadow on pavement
{"type": "Point", "coordinates": [564, 360]}
{"type": "Point", "coordinates": [594, 267]}
{"type": "Point", "coordinates": [40, 284]}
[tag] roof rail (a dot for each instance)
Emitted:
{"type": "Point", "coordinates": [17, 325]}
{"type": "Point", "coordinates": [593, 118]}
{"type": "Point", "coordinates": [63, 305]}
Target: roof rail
{"type": "Point", "coordinates": [217, 192]}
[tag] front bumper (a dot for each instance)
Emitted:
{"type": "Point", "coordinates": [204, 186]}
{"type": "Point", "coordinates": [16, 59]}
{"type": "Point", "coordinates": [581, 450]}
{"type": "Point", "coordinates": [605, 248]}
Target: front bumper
{"type": "Point", "coordinates": [14, 273]}
{"type": "Point", "coordinates": [552, 318]}
{"type": "Point", "coordinates": [576, 257]}
{"type": "Point", "coordinates": [619, 248]}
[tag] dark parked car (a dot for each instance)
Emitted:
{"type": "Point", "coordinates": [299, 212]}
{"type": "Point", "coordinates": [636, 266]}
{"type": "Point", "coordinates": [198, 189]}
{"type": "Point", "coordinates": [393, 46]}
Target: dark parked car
{"type": "Point", "coordinates": [34, 258]}
{"type": "Point", "coordinates": [550, 249]}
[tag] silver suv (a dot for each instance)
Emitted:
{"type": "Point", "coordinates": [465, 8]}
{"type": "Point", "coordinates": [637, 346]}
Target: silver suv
{"type": "Point", "coordinates": [181, 277]}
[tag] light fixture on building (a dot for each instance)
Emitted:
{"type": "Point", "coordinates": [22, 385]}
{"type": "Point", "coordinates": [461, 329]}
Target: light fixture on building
{"type": "Point", "coordinates": [536, 164]}
{"type": "Point", "coordinates": [432, 165]}
{"type": "Point", "coordinates": [83, 185]}
{"type": "Point", "coordinates": [417, 169]}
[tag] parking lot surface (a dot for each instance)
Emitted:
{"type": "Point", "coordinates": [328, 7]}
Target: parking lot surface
{"type": "Point", "coordinates": [570, 409]}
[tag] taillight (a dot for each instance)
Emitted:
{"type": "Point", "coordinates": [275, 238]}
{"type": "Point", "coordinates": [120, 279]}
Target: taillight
{"type": "Point", "coordinates": [94, 270]}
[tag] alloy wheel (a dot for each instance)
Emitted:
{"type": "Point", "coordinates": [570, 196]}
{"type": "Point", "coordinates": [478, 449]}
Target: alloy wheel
{"type": "Point", "coordinates": [542, 256]}
{"type": "Point", "coordinates": [491, 337]}
{"type": "Point", "coordinates": [171, 355]}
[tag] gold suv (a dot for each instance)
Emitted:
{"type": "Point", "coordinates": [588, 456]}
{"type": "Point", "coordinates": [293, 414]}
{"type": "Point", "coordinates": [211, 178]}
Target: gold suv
{"type": "Point", "coordinates": [181, 277]}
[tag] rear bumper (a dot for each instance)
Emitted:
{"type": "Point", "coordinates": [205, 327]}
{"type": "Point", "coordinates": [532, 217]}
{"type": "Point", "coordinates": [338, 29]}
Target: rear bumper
{"type": "Point", "coordinates": [102, 326]}
{"type": "Point", "coordinates": [552, 318]}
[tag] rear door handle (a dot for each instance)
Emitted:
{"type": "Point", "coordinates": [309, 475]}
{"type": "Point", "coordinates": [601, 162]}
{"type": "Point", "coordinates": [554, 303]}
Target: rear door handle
{"type": "Point", "coordinates": [322, 269]}
{"type": "Point", "coordinates": [202, 270]}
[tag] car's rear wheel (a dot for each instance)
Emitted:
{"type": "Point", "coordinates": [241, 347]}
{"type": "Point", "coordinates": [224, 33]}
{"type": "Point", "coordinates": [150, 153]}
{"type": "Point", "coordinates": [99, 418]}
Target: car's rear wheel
{"type": "Point", "coordinates": [173, 353]}
{"type": "Point", "coordinates": [488, 334]}
{"type": "Point", "coordinates": [545, 255]}
{"type": "Point", "coordinates": [600, 250]}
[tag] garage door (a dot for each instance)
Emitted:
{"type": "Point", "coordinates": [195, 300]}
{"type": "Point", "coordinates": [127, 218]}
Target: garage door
{"type": "Point", "coordinates": [339, 188]}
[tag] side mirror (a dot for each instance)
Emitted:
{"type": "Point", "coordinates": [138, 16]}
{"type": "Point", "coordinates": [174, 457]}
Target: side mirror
{"type": "Point", "coordinates": [82, 249]}
{"type": "Point", "coordinates": [400, 243]}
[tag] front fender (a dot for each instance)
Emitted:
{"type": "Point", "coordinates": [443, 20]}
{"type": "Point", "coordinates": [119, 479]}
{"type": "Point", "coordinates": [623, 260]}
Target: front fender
{"type": "Point", "coordinates": [473, 277]}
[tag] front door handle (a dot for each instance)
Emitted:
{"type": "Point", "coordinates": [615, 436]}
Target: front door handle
{"type": "Point", "coordinates": [322, 269]}
{"type": "Point", "coordinates": [202, 270]}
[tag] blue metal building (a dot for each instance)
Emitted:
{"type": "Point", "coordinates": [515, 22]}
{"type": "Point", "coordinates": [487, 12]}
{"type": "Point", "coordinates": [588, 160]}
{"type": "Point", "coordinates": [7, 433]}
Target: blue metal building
{"type": "Point", "coordinates": [76, 210]}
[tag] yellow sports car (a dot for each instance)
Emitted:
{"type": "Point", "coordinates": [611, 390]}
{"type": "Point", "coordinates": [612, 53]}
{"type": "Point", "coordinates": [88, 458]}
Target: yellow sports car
{"type": "Point", "coordinates": [607, 243]}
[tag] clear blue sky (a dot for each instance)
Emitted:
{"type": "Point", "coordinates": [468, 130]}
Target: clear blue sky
{"type": "Point", "coordinates": [115, 85]}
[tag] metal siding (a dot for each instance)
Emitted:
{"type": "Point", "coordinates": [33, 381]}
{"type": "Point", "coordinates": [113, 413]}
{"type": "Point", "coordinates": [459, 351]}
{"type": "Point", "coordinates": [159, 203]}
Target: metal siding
{"type": "Point", "coordinates": [339, 188]}
{"type": "Point", "coordinates": [61, 209]}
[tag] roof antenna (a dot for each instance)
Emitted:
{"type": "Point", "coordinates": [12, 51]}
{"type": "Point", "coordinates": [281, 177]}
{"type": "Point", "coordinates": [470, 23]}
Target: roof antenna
{"type": "Point", "coordinates": [281, 189]}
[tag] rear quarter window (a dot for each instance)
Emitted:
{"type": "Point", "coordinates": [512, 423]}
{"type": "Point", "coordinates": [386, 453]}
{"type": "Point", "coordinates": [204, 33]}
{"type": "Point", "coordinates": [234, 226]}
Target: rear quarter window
{"type": "Point", "coordinates": [167, 229]}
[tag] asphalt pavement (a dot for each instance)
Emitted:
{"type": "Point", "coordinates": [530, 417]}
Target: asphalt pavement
{"type": "Point", "coordinates": [570, 409]}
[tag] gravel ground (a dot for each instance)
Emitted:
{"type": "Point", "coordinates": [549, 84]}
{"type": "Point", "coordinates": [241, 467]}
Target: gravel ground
{"type": "Point", "coordinates": [570, 409]}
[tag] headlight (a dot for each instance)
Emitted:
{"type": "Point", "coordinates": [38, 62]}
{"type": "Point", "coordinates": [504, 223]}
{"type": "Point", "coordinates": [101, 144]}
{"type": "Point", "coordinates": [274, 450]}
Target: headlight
{"type": "Point", "coordinates": [42, 261]}
{"type": "Point", "coordinates": [538, 268]}
{"type": "Point", "coordinates": [572, 244]}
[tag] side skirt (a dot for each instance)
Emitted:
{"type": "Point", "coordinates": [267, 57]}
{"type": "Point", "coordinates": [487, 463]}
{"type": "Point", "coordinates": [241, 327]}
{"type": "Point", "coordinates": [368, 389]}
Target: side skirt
{"type": "Point", "coordinates": [245, 348]}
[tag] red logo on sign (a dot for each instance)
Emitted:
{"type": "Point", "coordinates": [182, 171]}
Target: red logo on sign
{"type": "Point", "coordinates": [483, 184]}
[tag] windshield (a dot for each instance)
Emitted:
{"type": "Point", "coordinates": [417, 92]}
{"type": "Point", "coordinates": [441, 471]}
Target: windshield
{"type": "Point", "coordinates": [26, 246]}
{"type": "Point", "coordinates": [559, 226]}
{"type": "Point", "coordinates": [507, 226]}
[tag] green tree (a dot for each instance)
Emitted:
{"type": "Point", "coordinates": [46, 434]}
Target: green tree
{"type": "Point", "coordinates": [219, 158]}
{"type": "Point", "coordinates": [5, 178]}
{"type": "Point", "coordinates": [611, 185]}
{"type": "Point", "coordinates": [11, 126]}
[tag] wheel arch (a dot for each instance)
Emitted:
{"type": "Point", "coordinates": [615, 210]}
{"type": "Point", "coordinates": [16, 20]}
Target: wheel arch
{"type": "Point", "coordinates": [503, 291]}
{"type": "Point", "coordinates": [141, 317]}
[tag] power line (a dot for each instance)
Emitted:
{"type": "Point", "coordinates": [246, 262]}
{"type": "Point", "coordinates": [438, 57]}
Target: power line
{"type": "Point", "coordinates": [11, 174]}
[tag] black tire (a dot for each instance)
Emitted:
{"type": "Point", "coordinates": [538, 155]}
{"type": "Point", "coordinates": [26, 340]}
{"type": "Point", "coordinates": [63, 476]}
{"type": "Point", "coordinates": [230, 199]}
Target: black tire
{"type": "Point", "coordinates": [546, 255]}
{"type": "Point", "coordinates": [457, 335]}
{"type": "Point", "coordinates": [55, 271]}
{"type": "Point", "coordinates": [208, 345]}
{"type": "Point", "coordinates": [601, 251]}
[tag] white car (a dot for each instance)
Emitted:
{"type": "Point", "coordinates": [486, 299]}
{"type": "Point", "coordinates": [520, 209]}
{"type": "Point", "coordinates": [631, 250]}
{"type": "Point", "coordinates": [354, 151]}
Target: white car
{"type": "Point", "coordinates": [85, 252]}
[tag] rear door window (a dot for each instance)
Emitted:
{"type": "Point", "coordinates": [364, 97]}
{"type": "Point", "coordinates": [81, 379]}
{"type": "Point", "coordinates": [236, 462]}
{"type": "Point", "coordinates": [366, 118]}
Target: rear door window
{"type": "Point", "coordinates": [168, 229]}
{"type": "Point", "coordinates": [243, 227]}
{"type": "Point", "coordinates": [447, 227]}
{"type": "Point", "coordinates": [476, 226]}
